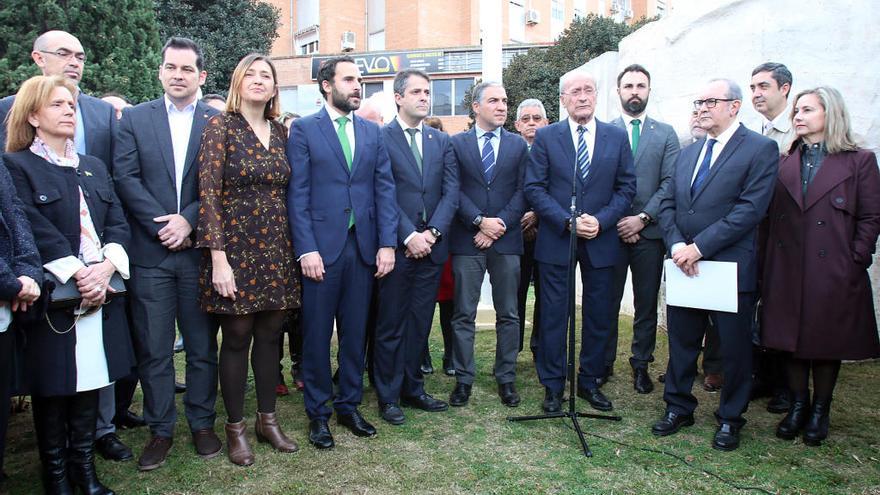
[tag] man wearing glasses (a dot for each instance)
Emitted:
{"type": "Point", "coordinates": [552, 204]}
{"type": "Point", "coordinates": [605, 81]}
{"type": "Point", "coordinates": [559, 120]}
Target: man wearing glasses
{"type": "Point", "coordinates": [721, 188]}
{"type": "Point", "coordinates": [595, 160]}
{"type": "Point", "coordinates": [530, 116]}
{"type": "Point", "coordinates": [58, 53]}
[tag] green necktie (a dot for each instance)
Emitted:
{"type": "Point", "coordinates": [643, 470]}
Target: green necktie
{"type": "Point", "coordinates": [346, 150]}
{"type": "Point", "coordinates": [343, 140]}
{"type": "Point", "coordinates": [635, 136]}
{"type": "Point", "coordinates": [415, 147]}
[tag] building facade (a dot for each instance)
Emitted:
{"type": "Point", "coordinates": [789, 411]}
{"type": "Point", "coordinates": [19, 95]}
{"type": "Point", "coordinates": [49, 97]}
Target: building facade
{"type": "Point", "coordinates": [441, 37]}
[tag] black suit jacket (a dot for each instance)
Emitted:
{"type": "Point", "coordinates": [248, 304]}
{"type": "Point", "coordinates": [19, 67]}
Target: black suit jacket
{"type": "Point", "coordinates": [433, 190]}
{"type": "Point", "coordinates": [144, 175]}
{"type": "Point", "coordinates": [99, 119]}
{"type": "Point", "coordinates": [722, 218]}
{"type": "Point", "coordinates": [502, 197]}
{"type": "Point", "coordinates": [18, 253]}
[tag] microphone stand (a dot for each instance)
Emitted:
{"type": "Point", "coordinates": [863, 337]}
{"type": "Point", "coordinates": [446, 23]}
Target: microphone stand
{"type": "Point", "coordinates": [571, 413]}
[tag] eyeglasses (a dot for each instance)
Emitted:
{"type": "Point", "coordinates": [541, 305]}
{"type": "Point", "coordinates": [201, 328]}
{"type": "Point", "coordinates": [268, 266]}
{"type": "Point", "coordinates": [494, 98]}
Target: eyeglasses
{"type": "Point", "coordinates": [576, 92]}
{"type": "Point", "coordinates": [67, 54]}
{"type": "Point", "coordinates": [526, 118]}
{"type": "Point", "coordinates": [710, 102]}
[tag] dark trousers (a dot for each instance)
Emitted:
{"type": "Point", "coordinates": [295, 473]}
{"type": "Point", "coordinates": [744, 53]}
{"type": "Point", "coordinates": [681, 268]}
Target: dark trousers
{"type": "Point", "coordinates": [469, 272]}
{"type": "Point", "coordinates": [595, 317]}
{"type": "Point", "coordinates": [292, 326]}
{"type": "Point", "coordinates": [343, 296]}
{"type": "Point", "coordinates": [7, 350]}
{"type": "Point", "coordinates": [686, 329]}
{"type": "Point", "coordinates": [404, 319]}
{"type": "Point", "coordinates": [528, 275]}
{"type": "Point", "coordinates": [645, 260]}
{"type": "Point", "coordinates": [165, 297]}
{"type": "Point", "coordinates": [712, 362]}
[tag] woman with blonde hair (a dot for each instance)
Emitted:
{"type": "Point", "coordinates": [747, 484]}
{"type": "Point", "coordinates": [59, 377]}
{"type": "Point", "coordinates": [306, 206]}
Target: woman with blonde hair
{"type": "Point", "coordinates": [80, 231]}
{"type": "Point", "coordinates": [249, 277]}
{"type": "Point", "coordinates": [821, 230]}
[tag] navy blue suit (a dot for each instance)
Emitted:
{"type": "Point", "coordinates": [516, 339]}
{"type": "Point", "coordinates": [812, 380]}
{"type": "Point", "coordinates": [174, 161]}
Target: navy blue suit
{"type": "Point", "coordinates": [320, 199]}
{"type": "Point", "coordinates": [500, 197]}
{"type": "Point", "coordinates": [426, 197]}
{"type": "Point", "coordinates": [721, 219]}
{"type": "Point", "coordinates": [607, 195]}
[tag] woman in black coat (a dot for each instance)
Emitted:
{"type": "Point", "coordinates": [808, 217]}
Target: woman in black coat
{"type": "Point", "coordinates": [80, 231]}
{"type": "Point", "coordinates": [20, 279]}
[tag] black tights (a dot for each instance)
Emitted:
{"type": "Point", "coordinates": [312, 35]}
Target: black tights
{"type": "Point", "coordinates": [265, 329]}
{"type": "Point", "coordinates": [824, 378]}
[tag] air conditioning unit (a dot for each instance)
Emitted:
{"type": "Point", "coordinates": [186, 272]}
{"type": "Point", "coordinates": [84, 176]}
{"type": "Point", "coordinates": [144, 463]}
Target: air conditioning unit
{"type": "Point", "coordinates": [532, 17]}
{"type": "Point", "coordinates": [348, 41]}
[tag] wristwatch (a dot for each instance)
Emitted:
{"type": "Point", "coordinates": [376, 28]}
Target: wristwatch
{"type": "Point", "coordinates": [645, 218]}
{"type": "Point", "coordinates": [478, 220]}
{"type": "Point", "coordinates": [436, 233]}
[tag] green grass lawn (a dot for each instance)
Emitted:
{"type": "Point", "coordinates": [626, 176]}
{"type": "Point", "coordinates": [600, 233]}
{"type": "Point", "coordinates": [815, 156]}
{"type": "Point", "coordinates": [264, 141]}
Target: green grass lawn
{"type": "Point", "coordinates": [476, 450]}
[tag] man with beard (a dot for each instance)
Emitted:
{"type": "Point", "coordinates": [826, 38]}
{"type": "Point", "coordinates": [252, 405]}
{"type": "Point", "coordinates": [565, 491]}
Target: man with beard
{"type": "Point", "coordinates": [654, 149]}
{"type": "Point", "coordinates": [343, 217]}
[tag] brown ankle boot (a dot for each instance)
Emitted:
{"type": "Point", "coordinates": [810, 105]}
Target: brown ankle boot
{"type": "Point", "coordinates": [267, 430]}
{"type": "Point", "coordinates": [237, 447]}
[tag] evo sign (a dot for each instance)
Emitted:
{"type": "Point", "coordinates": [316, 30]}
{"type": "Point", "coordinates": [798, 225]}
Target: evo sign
{"type": "Point", "coordinates": [388, 64]}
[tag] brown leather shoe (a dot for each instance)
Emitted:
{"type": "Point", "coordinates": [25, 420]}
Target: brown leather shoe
{"type": "Point", "coordinates": [154, 453]}
{"type": "Point", "coordinates": [207, 444]}
{"type": "Point", "coordinates": [713, 382]}
{"type": "Point", "coordinates": [267, 430]}
{"type": "Point", "coordinates": [237, 447]}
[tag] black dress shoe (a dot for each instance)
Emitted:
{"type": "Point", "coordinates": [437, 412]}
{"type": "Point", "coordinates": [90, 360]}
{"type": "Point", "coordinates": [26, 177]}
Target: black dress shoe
{"type": "Point", "coordinates": [427, 366]}
{"type": "Point", "coordinates": [179, 388]}
{"type": "Point", "coordinates": [319, 434]}
{"type": "Point", "coordinates": [507, 392]}
{"type": "Point", "coordinates": [642, 381]}
{"type": "Point", "coordinates": [552, 401]}
{"type": "Point", "coordinates": [726, 437]}
{"type": "Point", "coordinates": [606, 375]}
{"type": "Point", "coordinates": [671, 423]}
{"type": "Point", "coordinates": [424, 402]}
{"type": "Point", "coordinates": [391, 413]}
{"type": "Point", "coordinates": [111, 448]}
{"type": "Point", "coordinates": [816, 428]}
{"type": "Point", "coordinates": [793, 422]}
{"type": "Point", "coordinates": [779, 403]}
{"type": "Point", "coordinates": [128, 420]}
{"type": "Point", "coordinates": [596, 398]}
{"type": "Point", "coordinates": [460, 395]}
{"type": "Point", "coordinates": [356, 423]}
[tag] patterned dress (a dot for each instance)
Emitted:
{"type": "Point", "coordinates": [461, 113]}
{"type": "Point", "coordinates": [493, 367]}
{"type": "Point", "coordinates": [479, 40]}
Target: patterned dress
{"type": "Point", "coordinates": [243, 211]}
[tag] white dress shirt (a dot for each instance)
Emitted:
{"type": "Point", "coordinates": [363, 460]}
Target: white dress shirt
{"type": "Point", "coordinates": [180, 122]}
{"type": "Point", "coordinates": [628, 122]}
{"type": "Point", "coordinates": [496, 141]}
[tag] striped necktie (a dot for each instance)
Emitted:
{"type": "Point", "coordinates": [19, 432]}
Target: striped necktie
{"type": "Point", "coordinates": [488, 157]}
{"type": "Point", "coordinates": [583, 155]}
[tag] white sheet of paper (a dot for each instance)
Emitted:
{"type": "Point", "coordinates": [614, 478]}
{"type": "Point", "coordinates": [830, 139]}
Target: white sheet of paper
{"type": "Point", "coordinates": [714, 288]}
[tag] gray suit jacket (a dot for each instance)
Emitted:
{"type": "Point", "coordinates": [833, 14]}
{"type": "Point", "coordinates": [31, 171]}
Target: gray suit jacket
{"type": "Point", "coordinates": [99, 120]}
{"type": "Point", "coordinates": [654, 164]}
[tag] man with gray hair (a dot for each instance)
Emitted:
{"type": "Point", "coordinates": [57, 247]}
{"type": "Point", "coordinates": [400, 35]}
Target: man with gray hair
{"type": "Point", "coordinates": [593, 161]}
{"type": "Point", "coordinates": [484, 237]}
{"type": "Point", "coordinates": [530, 116]}
{"type": "Point", "coordinates": [720, 192]}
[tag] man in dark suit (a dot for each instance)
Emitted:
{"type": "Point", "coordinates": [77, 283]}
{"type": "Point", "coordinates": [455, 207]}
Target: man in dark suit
{"type": "Point", "coordinates": [530, 116]}
{"type": "Point", "coordinates": [486, 237]}
{"type": "Point", "coordinates": [426, 182]}
{"type": "Point", "coordinates": [721, 188]}
{"type": "Point", "coordinates": [58, 53]}
{"type": "Point", "coordinates": [655, 148]}
{"type": "Point", "coordinates": [597, 157]}
{"type": "Point", "coordinates": [156, 179]}
{"type": "Point", "coordinates": [343, 216]}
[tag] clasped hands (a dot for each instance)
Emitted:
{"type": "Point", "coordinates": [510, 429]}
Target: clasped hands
{"type": "Point", "coordinates": [491, 229]}
{"type": "Point", "coordinates": [420, 244]}
{"type": "Point", "coordinates": [175, 234]}
{"type": "Point", "coordinates": [685, 258]}
{"type": "Point", "coordinates": [28, 294]}
{"type": "Point", "coordinates": [587, 226]}
{"type": "Point", "coordinates": [93, 282]}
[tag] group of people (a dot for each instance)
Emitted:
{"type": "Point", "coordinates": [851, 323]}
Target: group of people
{"type": "Point", "coordinates": [223, 219]}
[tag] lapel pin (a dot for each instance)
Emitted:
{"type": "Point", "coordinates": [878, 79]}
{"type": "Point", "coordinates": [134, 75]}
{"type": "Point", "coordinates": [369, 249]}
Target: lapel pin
{"type": "Point", "coordinates": [88, 174]}
{"type": "Point", "coordinates": [430, 136]}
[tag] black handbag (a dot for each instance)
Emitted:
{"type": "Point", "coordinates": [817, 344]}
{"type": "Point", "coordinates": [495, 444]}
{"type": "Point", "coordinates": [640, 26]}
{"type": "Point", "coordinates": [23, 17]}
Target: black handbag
{"type": "Point", "coordinates": [66, 296]}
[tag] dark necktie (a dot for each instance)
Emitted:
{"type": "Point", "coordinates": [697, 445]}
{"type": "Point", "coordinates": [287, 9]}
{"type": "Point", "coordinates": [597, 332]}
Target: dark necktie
{"type": "Point", "coordinates": [583, 155]}
{"type": "Point", "coordinates": [414, 146]}
{"type": "Point", "coordinates": [703, 171]}
{"type": "Point", "coordinates": [488, 157]}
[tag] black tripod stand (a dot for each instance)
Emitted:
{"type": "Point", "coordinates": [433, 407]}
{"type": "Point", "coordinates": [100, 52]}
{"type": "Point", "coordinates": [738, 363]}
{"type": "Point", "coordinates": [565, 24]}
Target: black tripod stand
{"type": "Point", "coordinates": [572, 330]}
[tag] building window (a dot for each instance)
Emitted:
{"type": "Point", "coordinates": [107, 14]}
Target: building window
{"type": "Point", "coordinates": [516, 25]}
{"type": "Point", "coordinates": [447, 96]}
{"type": "Point", "coordinates": [557, 17]}
{"type": "Point", "coordinates": [309, 48]}
{"type": "Point", "coordinates": [371, 88]}
{"type": "Point", "coordinates": [580, 9]}
{"type": "Point", "coordinates": [375, 25]}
